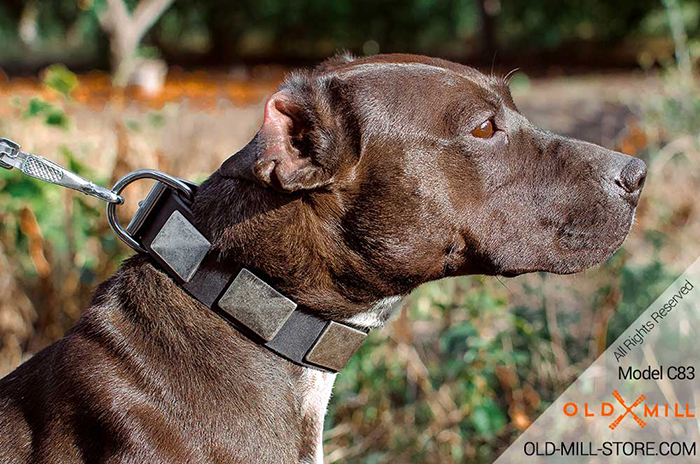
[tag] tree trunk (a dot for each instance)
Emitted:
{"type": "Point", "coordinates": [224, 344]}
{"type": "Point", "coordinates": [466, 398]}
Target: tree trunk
{"type": "Point", "coordinates": [126, 30]}
{"type": "Point", "coordinates": [488, 28]}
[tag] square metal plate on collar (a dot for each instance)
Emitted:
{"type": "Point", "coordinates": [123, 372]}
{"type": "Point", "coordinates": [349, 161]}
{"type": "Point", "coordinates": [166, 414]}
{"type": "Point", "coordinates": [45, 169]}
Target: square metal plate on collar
{"type": "Point", "coordinates": [256, 304]}
{"type": "Point", "coordinates": [181, 246]}
{"type": "Point", "coordinates": [335, 346]}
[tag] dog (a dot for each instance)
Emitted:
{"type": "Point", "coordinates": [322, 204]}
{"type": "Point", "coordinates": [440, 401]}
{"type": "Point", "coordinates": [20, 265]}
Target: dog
{"type": "Point", "coordinates": [368, 178]}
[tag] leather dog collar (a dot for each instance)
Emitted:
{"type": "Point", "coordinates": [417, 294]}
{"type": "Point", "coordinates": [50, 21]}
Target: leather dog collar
{"type": "Point", "coordinates": [163, 227]}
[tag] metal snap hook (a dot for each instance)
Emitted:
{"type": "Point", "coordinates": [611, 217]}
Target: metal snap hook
{"type": "Point", "coordinates": [38, 167]}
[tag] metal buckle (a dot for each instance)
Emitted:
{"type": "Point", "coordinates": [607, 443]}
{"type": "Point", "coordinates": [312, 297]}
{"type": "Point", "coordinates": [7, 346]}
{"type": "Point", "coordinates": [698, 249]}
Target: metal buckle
{"type": "Point", "coordinates": [172, 182]}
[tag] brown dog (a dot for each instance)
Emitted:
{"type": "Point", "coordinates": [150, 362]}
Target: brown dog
{"type": "Point", "coordinates": [368, 178]}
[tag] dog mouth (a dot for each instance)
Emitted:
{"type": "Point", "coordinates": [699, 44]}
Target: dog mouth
{"type": "Point", "coordinates": [576, 248]}
{"type": "Point", "coordinates": [588, 247]}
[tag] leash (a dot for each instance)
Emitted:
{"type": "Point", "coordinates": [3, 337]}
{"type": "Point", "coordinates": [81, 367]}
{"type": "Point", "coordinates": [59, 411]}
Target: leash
{"type": "Point", "coordinates": [164, 229]}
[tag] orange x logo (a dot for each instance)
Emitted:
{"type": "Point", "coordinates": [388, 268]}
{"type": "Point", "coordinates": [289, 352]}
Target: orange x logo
{"type": "Point", "coordinates": [628, 410]}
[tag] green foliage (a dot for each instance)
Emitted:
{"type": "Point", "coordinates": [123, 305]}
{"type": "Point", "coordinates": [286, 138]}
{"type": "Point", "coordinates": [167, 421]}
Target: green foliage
{"type": "Point", "coordinates": [156, 120]}
{"type": "Point", "coordinates": [37, 107]}
{"type": "Point", "coordinates": [47, 201]}
{"type": "Point", "coordinates": [51, 114]}
{"type": "Point", "coordinates": [57, 118]}
{"type": "Point", "coordinates": [488, 419]}
{"type": "Point", "coordinates": [676, 108]}
{"type": "Point", "coordinates": [640, 286]}
{"type": "Point", "coordinates": [656, 21]}
{"type": "Point", "coordinates": [149, 52]}
{"type": "Point", "coordinates": [68, 222]}
{"type": "Point", "coordinates": [551, 23]}
{"type": "Point", "coordinates": [224, 31]}
{"type": "Point", "coordinates": [59, 79]}
{"type": "Point", "coordinates": [462, 356]}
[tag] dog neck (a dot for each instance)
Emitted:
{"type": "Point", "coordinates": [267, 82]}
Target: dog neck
{"type": "Point", "coordinates": [283, 239]}
{"type": "Point", "coordinates": [296, 244]}
{"type": "Point", "coordinates": [288, 241]}
{"type": "Point", "coordinates": [202, 368]}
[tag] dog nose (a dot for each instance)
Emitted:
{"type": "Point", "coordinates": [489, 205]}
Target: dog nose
{"type": "Point", "coordinates": [632, 176]}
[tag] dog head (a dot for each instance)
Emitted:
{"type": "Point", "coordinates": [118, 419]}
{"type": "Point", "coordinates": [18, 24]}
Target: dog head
{"type": "Point", "coordinates": [372, 176]}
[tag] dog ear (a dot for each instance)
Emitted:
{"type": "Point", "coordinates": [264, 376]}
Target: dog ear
{"type": "Point", "coordinates": [279, 155]}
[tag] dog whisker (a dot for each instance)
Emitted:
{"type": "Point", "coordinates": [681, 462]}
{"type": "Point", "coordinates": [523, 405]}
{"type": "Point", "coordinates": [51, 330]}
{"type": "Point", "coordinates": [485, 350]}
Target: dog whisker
{"type": "Point", "coordinates": [493, 61]}
{"type": "Point", "coordinates": [510, 75]}
{"type": "Point", "coordinates": [504, 285]}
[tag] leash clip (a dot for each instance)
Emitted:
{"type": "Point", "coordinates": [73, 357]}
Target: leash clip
{"type": "Point", "coordinates": [8, 152]}
{"type": "Point", "coordinates": [38, 167]}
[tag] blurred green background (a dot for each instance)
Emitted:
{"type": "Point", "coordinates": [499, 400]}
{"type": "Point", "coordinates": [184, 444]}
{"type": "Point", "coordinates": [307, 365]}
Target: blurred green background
{"type": "Point", "coordinates": [109, 86]}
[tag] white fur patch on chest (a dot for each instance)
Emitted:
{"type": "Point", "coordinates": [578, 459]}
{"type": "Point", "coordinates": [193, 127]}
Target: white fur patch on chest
{"type": "Point", "coordinates": [316, 388]}
{"type": "Point", "coordinates": [378, 314]}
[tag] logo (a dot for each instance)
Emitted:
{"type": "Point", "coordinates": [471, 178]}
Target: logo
{"type": "Point", "coordinates": [628, 410]}
{"type": "Point", "coordinates": [633, 411]}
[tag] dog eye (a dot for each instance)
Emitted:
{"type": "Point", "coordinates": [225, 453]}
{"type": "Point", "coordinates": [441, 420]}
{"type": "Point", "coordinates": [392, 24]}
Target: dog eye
{"type": "Point", "coordinates": [484, 130]}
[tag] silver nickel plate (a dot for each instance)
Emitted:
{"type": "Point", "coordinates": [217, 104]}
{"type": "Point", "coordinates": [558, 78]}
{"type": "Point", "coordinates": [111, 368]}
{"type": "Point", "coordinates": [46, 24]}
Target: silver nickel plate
{"type": "Point", "coordinates": [257, 305]}
{"type": "Point", "coordinates": [336, 345]}
{"type": "Point", "coordinates": [181, 246]}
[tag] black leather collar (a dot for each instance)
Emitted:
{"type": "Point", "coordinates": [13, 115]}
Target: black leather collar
{"type": "Point", "coordinates": [164, 228]}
